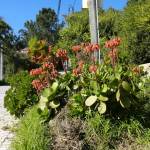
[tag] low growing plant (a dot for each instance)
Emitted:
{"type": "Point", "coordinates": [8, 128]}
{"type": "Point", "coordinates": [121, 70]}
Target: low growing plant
{"type": "Point", "coordinates": [21, 95]}
{"type": "Point", "coordinates": [32, 133]}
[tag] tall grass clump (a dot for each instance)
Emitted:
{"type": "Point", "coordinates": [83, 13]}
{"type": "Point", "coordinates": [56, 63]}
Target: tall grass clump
{"type": "Point", "coordinates": [32, 133]}
{"type": "Point", "coordinates": [103, 133]}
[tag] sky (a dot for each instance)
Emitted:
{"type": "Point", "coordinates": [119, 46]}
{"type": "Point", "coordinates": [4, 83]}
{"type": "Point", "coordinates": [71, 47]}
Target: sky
{"type": "Point", "coordinates": [17, 12]}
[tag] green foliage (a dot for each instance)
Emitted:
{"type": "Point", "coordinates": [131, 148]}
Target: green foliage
{"type": "Point", "coordinates": [97, 132]}
{"type": "Point", "coordinates": [103, 133]}
{"type": "Point", "coordinates": [134, 28]}
{"type": "Point", "coordinates": [21, 95]}
{"type": "Point", "coordinates": [110, 90]}
{"type": "Point", "coordinates": [52, 99]}
{"type": "Point", "coordinates": [44, 27]}
{"type": "Point", "coordinates": [107, 21]}
{"type": "Point", "coordinates": [37, 48]}
{"type": "Point", "coordinates": [76, 31]}
{"type": "Point", "coordinates": [32, 133]}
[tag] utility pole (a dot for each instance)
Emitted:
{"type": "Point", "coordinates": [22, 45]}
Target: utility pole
{"type": "Point", "coordinates": [93, 6]}
{"type": "Point", "coordinates": [1, 65]}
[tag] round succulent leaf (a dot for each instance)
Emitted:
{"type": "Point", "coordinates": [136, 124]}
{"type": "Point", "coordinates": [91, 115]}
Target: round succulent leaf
{"type": "Point", "coordinates": [125, 103]}
{"type": "Point", "coordinates": [46, 92]}
{"type": "Point", "coordinates": [102, 108]}
{"type": "Point", "coordinates": [118, 76]}
{"type": "Point", "coordinates": [126, 86]}
{"type": "Point", "coordinates": [104, 88]}
{"type": "Point", "coordinates": [118, 95]}
{"type": "Point", "coordinates": [90, 100]}
{"type": "Point", "coordinates": [54, 104]}
{"type": "Point", "coordinates": [103, 98]}
{"type": "Point", "coordinates": [43, 99]}
{"type": "Point", "coordinates": [54, 86]}
{"type": "Point", "coordinates": [75, 87]}
{"type": "Point", "coordinates": [42, 105]}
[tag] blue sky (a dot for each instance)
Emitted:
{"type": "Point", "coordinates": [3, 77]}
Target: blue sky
{"type": "Point", "coordinates": [16, 12]}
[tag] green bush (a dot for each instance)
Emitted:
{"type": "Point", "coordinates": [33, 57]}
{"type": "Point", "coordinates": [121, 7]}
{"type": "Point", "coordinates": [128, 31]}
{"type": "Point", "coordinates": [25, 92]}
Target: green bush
{"type": "Point", "coordinates": [21, 95]}
{"type": "Point", "coordinates": [134, 28]}
{"type": "Point", "coordinates": [32, 134]}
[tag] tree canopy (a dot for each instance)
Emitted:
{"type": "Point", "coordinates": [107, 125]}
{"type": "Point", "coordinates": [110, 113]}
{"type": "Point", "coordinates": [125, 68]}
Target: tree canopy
{"type": "Point", "coordinates": [44, 27]}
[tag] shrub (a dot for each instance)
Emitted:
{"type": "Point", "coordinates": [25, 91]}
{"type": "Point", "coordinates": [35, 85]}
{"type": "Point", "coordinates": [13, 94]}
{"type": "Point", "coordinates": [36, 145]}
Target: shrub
{"type": "Point", "coordinates": [21, 95]}
{"type": "Point", "coordinates": [110, 87]}
{"type": "Point", "coordinates": [134, 28]}
{"type": "Point", "coordinates": [32, 134]}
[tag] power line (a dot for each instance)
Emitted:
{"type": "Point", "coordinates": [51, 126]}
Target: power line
{"type": "Point", "coordinates": [72, 7]}
{"type": "Point", "coordinates": [58, 10]}
{"type": "Point", "coordinates": [74, 3]}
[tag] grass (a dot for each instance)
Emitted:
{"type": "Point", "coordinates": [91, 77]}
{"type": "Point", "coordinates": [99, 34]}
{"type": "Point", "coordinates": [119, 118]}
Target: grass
{"type": "Point", "coordinates": [105, 134]}
{"type": "Point", "coordinates": [32, 133]}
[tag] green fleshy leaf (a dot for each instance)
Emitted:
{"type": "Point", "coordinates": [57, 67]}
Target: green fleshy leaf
{"type": "Point", "coordinates": [125, 103]}
{"type": "Point", "coordinates": [102, 108]}
{"type": "Point", "coordinates": [103, 98]}
{"type": "Point", "coordinates": [118, 95]}
{"type": "Point", "coordinates": [105, 88]}
{"type": "Point", "coordinates": [54, 104]}
{"type": "Point", "coordinates": [90, 100]}
{"type": "Point", "coordinates": [46, 92]}
{"type": "Point", "coordinates": [126, 86]}
{"type": "Point", "coordinates": [42, 103]}
{"type": "Point", "coordinates": [54, 86]}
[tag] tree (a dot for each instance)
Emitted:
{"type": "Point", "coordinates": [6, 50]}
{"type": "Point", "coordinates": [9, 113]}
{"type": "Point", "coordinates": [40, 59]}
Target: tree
{"type": "Point", "coordinates": [9, 45]}
{"type": "Point", "coordinates": [44, 27]}
{"type": "Point", "coordinates": [132, 2]}
{"type": "Point", "coordinates": [75, 31]}
{"type": "Point", "coordinates": [107, 22]}
{"type": "Point", "coordinates": [134, 28]}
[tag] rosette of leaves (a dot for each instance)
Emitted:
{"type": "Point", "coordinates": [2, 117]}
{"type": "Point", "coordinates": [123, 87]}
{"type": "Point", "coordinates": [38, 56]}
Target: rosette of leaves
{"type": "Point", "coordinates": [51, 98]}
{"type": "Point", "coordinates": [37, 47]}
{"type": "Point", "coordinates": [108, 90]}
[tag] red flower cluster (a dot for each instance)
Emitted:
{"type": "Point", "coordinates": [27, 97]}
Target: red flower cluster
{"type": "Point", "coordinates": [48, 66]}
{"type": "Point", "coordinates": [113, 43]}
{"type": "Point", "coordinates": [39, 85]}
{"type": "Point", "coordinates": [89, 48]}
{"type": "Point", "coordinates": [77, 71]}
{"type": "Point", "coordinates": [53, 74]}
{"type": "Point", "coordinates": [80, 64]}
{"type": "Point", "coordinates": [35, 72]}
{"type": "Point", "coordinates": [76, 48]}
{"type": "Point", "coordinates": [113, 53]}
{"type": "Point", "coordinates": [62, 54]}
{"type": "Point", "coordinates": [93, 68]}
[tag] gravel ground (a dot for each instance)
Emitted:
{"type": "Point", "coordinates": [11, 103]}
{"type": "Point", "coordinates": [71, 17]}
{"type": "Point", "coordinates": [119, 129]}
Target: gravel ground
{"type": "Point", "coordinates": [7, 122]}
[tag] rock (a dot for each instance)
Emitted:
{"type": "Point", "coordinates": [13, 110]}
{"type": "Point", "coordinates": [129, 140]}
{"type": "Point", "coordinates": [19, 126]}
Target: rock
{"type": "Point", "coordinates": [146, 68]}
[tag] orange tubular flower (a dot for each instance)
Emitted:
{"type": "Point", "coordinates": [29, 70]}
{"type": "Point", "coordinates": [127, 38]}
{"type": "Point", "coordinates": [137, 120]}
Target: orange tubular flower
{"type": "Point", "coordinates": [76, 71]}
{"type": "Point", "coordinates": [88, 48]}
{"type": "Point", "coordinates": [93, 68]}
{"type": "Point", "coordinates": [37, 84]}
{"type": "Point", "coordinates": [35, 72]}
{"type": "Point", "coordinates": [113, 43]}
{"type": "Point", "coordinates": [76, 48]}
{"type": "Point", "coordinates": [80, 64]}
{"type": "Point", "coordinates": [62, 54]}
{"type": "Point", "coordinates": [48, 66]}
{"type": "Point", "coordinates": [95, 47]}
